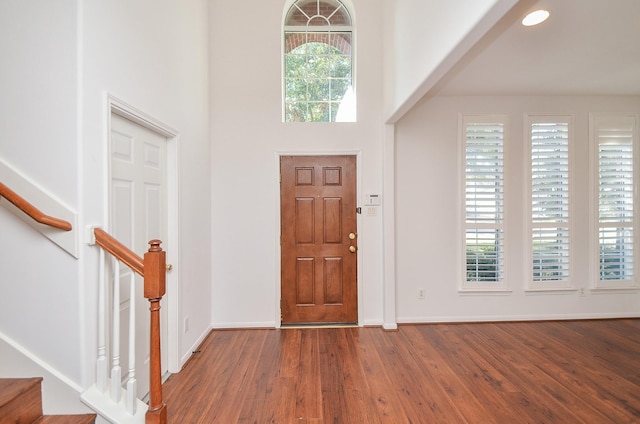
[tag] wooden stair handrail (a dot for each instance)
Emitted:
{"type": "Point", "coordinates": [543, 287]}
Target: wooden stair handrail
{"type": "Point", "coordinates": [119, 250]}
{"type": "Point", "coordinates": [153, 269]}
{"type": "Point", "coordinates": [32, 211]}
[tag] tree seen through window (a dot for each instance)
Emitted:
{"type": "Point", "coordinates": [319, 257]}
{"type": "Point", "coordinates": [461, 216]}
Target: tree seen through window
{"type": "Point", "coordinates": [318, 80]}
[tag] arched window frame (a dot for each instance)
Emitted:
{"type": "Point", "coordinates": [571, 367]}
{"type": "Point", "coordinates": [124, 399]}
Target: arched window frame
{"type": "Point", "coordinates": [328, 27]}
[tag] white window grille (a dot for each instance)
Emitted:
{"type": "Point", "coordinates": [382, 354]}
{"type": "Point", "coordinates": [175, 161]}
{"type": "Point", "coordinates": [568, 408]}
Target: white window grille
{"type": "Point", "coordinates": [483, 141]}
{"type": "Point", "coordinates": [550, 194]}
{"type": "Point", "coordinates": [614, 139]}
{"type": "Point", "coordinates": [318, 62]}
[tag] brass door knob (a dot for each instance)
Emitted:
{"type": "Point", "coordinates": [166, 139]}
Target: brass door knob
{"type": "Point", "coordinates": [352, 249]}
{"type": "Point", "coordinates": [352, 236]}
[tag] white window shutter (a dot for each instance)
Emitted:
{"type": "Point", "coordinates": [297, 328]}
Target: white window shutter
{"type": "Point", "coordinates": [484, 202]}
{"type": "Point", "coordinates": [550, 197]}
{"type": "Point", "coordinates": [616, 210]}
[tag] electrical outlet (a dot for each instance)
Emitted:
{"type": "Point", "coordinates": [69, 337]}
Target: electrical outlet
{"type": "Point", "coordinates": [420, 293]}
{"type": "Point", "coordinates": [186, 324]}
{"type": "Point", "coordinates": [581, 291]}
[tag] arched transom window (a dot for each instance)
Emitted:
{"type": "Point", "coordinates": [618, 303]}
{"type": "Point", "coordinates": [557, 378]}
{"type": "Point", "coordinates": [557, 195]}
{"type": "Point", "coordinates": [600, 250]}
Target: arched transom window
{"type": "Point", "coordinates": [318, 77]}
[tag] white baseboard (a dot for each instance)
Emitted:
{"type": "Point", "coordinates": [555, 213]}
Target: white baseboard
{"type": "Point", "coordinates": [245, 325]}
{"type": "Point", "coordinates": [59, 394]}
{"type": "Point", "coordinates": [506, 318]}
{"type": "Point", "coordinates": [194, 346]}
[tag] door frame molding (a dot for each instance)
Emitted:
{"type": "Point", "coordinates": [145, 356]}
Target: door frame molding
{"type": "Point", "coordinates": [114, 105]}
{"type": "Point", "coordinates": [278, 250]}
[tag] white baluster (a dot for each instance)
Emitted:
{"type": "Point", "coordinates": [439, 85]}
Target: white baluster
{"type": "Point", "coordinates": [131, 377]}
{"type": "Point", "coordinates": [102, 364]}
{"type": "Point", "coordinates": [116, 371]}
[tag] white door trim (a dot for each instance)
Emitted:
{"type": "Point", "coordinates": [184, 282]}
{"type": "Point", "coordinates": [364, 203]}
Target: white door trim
{"type": "Point", "coordinates": [117, 106]}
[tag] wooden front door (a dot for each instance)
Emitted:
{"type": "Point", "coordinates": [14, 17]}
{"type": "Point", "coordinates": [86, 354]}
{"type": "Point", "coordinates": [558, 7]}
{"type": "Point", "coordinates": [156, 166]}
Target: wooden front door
{"type": "Point", "coordinates": [318, 239]}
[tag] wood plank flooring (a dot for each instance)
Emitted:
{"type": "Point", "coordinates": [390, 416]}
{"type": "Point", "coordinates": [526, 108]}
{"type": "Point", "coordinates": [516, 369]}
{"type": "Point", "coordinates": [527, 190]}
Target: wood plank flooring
{"type": "Point", "coordinates": [534, 372]}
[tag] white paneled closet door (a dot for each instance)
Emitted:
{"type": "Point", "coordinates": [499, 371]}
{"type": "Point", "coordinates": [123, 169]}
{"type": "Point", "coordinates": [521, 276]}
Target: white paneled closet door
{"type": "Point", "coordinates": [138, 213]}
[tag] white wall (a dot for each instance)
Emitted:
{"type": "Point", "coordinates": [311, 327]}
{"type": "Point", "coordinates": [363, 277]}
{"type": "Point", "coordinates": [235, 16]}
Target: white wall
{"type": "Point", "coordinates": [428, 216]}
{"type": "Point", "coordinates": [38, 77]}
{"type": "Point", "coordinates": [59, 396]}
{"type": "Point", "coordinates": [429, 38]}
{"type": "Point", "coordinates": [59, 61]}
{"type": "Point", "coordinates": [153, 56]}
{"type": "Point", "coordinates": [39, 282]}
{"type": "Point", "coordinates": [247, 136]}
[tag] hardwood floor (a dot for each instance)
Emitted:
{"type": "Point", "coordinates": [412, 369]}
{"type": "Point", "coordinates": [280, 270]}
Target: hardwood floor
{"type": "Point", "coordinates": [535, 372]}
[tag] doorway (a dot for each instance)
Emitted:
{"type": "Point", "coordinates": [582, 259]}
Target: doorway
{"type": "Point", "coordinates": [318, 240]}
{"type": "Point", "coordinates": [137, 213]}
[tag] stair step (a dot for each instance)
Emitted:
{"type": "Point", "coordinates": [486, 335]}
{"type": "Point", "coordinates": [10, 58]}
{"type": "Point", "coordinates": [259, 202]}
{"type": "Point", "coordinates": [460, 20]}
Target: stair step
{"type": "Point", "coordinates": [66, 419]}
{"type": "Point", "coordinates": [20, 400]}
{"type": "Point", "coordinates": [21, 403]}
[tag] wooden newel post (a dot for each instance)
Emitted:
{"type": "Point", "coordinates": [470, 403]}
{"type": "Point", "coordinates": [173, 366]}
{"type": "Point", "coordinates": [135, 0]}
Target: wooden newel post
{"type": "Point", "coordinates": [154, 288]}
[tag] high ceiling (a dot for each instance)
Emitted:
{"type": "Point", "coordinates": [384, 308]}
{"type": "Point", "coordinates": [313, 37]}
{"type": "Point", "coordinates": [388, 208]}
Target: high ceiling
{"type": "Point", "coordinates": [586, 47]}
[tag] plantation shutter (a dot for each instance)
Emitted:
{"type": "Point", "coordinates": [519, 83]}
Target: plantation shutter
{"type": "Point", "coordinates": [550, 201]}
{"type": "Point", "coordinates": [615, 198]}
{"type": "Point", "coordinates": [484, 201]}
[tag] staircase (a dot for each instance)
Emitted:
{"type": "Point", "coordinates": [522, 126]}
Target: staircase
{"type": "Point", "coordinates": [21, 403]}
{"type": "Point", "coordinates": [21, 399]}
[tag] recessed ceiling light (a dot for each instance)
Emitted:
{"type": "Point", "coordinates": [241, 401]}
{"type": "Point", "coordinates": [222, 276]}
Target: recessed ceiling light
{"type": "Point", "coordinates": [536, 17]}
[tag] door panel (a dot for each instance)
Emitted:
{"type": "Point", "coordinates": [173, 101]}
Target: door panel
{"type": "Point", "coordinates": [137, 215]}
{"type": "Point", "coordinates": [318, 212]}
